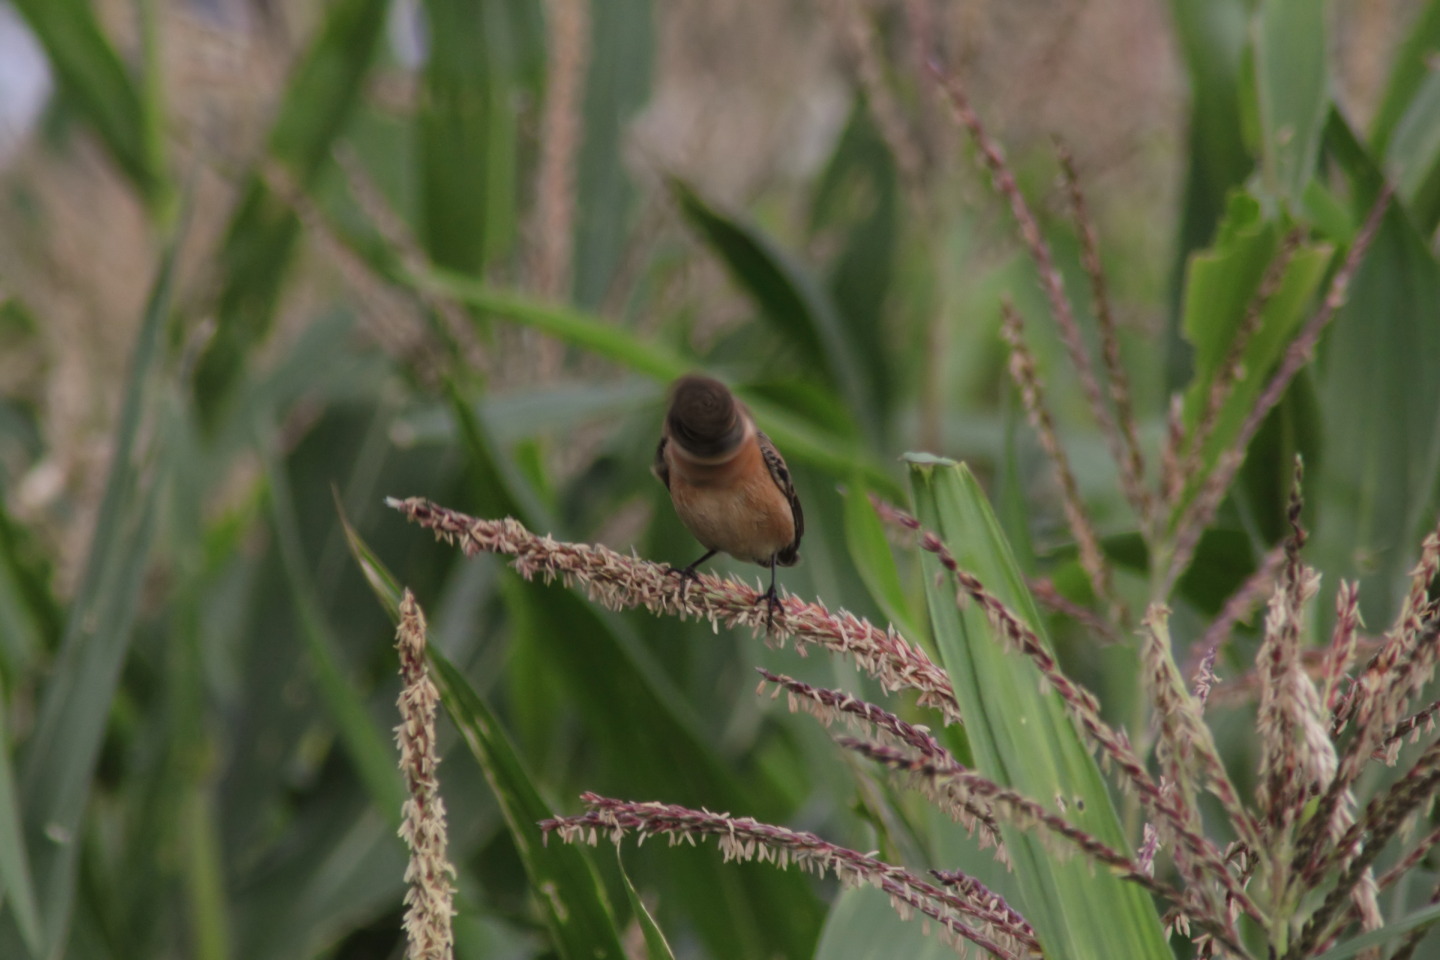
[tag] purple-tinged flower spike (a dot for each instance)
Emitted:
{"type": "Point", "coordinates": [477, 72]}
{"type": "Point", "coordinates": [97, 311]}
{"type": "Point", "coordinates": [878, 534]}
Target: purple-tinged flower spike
{"type": "Point", "coordinates": [1032, 396]}
{"type": "Point", "coordinates": [617, 582]}
{"type": "Point", "coordinates": [1377, 700]}
{"type": "Point", "coordinates": [979, 916]}
{"type": "Point", "coordinates": [1125, 444]}
{"type": "Point", "coordinates": [1195, 854]}
{"type": "Point", "coordinates": [1186, 747]}
{"type": "Point", "coordinates": [828, 705]}
{"type": "Point", "coordinates": [1232, 367]}
{"type": "Point", "coordinates": [1363, 842]}
{"type": "Point", "coordinates": [1044, 591]}
{"type": "Point", "coordinates": [430, 875]}
{"type": "Point", "coordinates": [1297, 757]}
{"type": "Point", "coordinates": [1201, 511]}
{"type": "Point", "coordinates": [1050, 279]}
{"type": "Point", "coordinates": [1241, 604]}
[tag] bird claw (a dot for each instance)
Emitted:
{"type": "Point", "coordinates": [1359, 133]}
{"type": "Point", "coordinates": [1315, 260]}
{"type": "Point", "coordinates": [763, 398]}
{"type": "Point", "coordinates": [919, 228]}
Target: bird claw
{"type": "Point", "coordinates": [687, 575]}
{"type": "Point", "coordinates": [772, 602]}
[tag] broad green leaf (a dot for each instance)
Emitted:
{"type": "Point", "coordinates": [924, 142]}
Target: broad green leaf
{"type": "Point", "coordinates": [57, 762]}
{"type": "Point", "coordinates": [1022, 737]}
{"type": "Point", "coordinates": [656, 946]}
{"type": "Point", "coordinates": [1292, 93]}
{"type": "Point", "coordinates": [860, 188]}
{"type": "Point", "coordinates": [106, 95]}
{"type": "Point", "coordinates": [570, 895]}
{"type": "Point", "coordinates": [1379, 388]}
{"type": "Point", "coordinates": [1413, 157]}
{"type": "Point", "coordinates": [1393, 930]}
{"type": "Point", "coordinates": [862, 925]}
{"type": "Point", "coordinates": [1212, 38]}
{"type": "Point", "coordinates": [261, 238]}
{"type": "Point", "coordinates": [1411, 70]}
{"type": "Point", "coordinates": [1220, 285]}
{"type": "Point", "coordinates": [789, 298]}
{"type": "Point", "coordinates": [367, 747]}
{"type": "Point", "coordinates": [870, 552]}
{"type": "Point", "coordinates": [799, 439]}
{"type": "Point", "coordinates": [467, 138]}
{"type": "Point", "coordinates": [16, 887]}
{"type": "Point", "coordinates": [616, 86]}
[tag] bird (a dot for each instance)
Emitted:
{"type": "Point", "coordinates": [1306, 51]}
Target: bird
{"type": "Point", "coordinates": [728, 483]}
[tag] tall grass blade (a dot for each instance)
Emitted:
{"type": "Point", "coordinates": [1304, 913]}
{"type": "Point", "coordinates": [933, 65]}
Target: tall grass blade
{"type": "Point", "coordinates": [366, 746]}
{"type": "Point", "coordinates": [16, 887]}
{"type": "Point", "coordinates": [790, 300]}
{"type": "Point", "coordinates": [571, 897]}
{"type": "Point", "coordinates": [466, 131]}
{"type": "Point", "coordinates": [261, 238]}
{"type": "Point", "coordinates": [1292, 93]}
{"type": "Point", "coordinates": [656, 946]}
{"type": "Point", "coordinates": [57, 762]}
{"type": "Point", "coordinates": [622, 51]}
{"type": "Point", "coordinates": [1022, 737]}
{"type": "Point", "coordinates": [105, 94]}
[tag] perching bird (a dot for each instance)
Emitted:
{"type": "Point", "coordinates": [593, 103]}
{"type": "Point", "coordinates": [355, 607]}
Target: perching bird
{"type": "Point", "coordinates": [729, 484]}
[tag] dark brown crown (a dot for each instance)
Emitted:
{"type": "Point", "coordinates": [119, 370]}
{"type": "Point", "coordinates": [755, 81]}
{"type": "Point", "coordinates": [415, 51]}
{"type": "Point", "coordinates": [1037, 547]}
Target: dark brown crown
{"type": "Point", "coordinates": [704, 417]}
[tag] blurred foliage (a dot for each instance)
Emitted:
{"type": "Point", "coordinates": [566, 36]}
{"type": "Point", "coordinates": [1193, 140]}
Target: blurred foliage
{"type": "Point", "coordinates": [195, 704]}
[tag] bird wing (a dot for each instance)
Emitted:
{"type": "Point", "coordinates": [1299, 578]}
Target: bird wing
{"type": "Point", "coordinates": [660, 468]}
{"type": "Point", "coordinates": [781, 475]}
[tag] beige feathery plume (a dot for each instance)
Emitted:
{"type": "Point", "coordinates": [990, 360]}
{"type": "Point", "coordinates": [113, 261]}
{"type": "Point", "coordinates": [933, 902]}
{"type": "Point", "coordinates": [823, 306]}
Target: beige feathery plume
{"type": "Point", "coordinates": [430, 874]}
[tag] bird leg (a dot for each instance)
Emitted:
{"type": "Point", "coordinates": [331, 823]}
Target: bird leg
{"type": "Point", "coordinates": [688, 574]}
{"type": "Point", "coordinates": [771, 598]}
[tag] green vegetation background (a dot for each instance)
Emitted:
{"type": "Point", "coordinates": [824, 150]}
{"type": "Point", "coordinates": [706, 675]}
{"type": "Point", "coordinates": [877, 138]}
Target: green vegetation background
{"type": "Point", "coordinates": [252, 277]}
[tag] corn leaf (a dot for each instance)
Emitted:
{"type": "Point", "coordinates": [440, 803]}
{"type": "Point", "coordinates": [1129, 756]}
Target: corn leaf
{"type": "Point", "coordinates": [1022, 736]}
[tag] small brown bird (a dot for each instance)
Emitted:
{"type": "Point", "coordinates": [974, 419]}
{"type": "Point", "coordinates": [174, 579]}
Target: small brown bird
{"type": "Point", "coordinates": [729, 484]}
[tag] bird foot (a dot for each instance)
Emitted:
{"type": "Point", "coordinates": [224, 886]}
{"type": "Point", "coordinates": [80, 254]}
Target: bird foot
{"type": "Point", "coordinates": [771, 599]}
{"type": "Point", "coordinates": [687, 575]}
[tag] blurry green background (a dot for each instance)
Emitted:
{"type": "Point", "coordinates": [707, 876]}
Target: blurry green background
{"type": "Point", "coordinates": [234, 251]}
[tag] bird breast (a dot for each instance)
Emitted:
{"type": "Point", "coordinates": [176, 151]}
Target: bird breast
{"type": "Point", "coordinates": [733, 506]}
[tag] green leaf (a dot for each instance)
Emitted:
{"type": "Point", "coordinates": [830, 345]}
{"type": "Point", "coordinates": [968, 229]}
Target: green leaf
{"type": "Point", "coordinates": [862, 181]}
{"type": "Point", "coordinates": [467, 139]}
{"type": "Point", "coordinates": [569, 893]}
{"type": "Point", "coordinates": [795, 436]}
{"type": "Point", "coordinates": [92, 76]}
{"type": "Point", "coordinates": [864, 926]}
{"type": "Point", "coordinates": [58, 760]}
{"type": "Point", "coordinates": [617, 85]}
{"type": "Point", "coordinates": [1410, 71]}
{"type": "Point", "coordinates": [1379, 387]}
{"type": "Point", "coordinates": [368, 748]}
{"type": "Point", "coordinates": [870, 552]}
{"type": "Point", "coordinates": [656, 946]}
{"type": "Point", "coordinates": [1022, 737]}
{"type": "Point", "coordinates": [16, 886]}
{"type": "Point", "coordinates": [1212, 38]}
{"type": "Point", "coordinates": [1413, 157]}
{"type": "Point", "coordinates": [1220, 285]}
{"type": "Point", "coordinates": [1392, 930]}
{"type": "Point", "coordinates": [789, 298]}
{"type": "Point", "coordinates": [382, 582]}
{"type": "Point", "coordinates": [262, 234]}
{"type": "Point", "coordinates": [1292, 93]}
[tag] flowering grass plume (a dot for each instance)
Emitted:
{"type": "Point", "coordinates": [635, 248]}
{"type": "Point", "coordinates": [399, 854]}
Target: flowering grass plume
{"type": "Point", "coordinates": [619, 582]}
{"type": "Point", "coordinates": [964, 910]}
{"type": "Point", "coordinates": [429, 874]}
